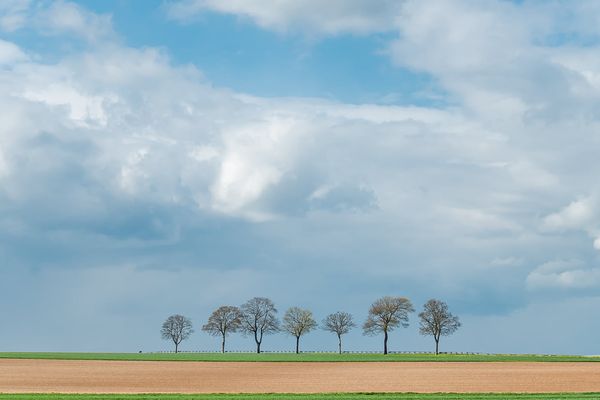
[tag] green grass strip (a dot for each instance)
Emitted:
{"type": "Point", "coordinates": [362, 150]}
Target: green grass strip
{"type": "Point", "coordinates": [304, 357]}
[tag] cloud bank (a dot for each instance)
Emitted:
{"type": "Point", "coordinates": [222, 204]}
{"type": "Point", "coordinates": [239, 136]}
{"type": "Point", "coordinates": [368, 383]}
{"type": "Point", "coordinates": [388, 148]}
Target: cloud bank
{"type": "Point", "coordinates": [124, 175]}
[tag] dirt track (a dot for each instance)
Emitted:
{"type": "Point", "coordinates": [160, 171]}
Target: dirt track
{"type": "Point", "coordinates": [18, 376]}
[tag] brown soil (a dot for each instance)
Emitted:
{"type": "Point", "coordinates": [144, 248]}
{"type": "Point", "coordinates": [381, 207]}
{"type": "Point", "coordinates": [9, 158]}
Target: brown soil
{"type": "Point", "coordinates": [19, 376]}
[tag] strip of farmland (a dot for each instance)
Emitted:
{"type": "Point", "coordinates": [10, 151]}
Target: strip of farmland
{"type": "Point", "coordinates": [61, 376]}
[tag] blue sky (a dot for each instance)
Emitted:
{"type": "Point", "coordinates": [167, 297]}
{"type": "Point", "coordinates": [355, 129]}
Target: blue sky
{"type": "Point", "coordinates": [161, 157]}
{"type": "Point", "coordinates": [232, 52]}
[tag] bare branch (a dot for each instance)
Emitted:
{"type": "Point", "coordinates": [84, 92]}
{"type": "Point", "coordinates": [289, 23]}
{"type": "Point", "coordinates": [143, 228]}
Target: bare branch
{"type": "Point", "coordinates": [339, 323]}
{"type": "Point", "coordinates": [258, 318]}
{"type": "Point", "coordinates": [297, 322]}
{"type": "Point", "coordinates": [385, 315]}
{"type": "Point", "coordinates": [437, 321]}
{"type": "Point", "coordinates": [224, 320]}
{"type": "Point", "coordinates": [176, 328]}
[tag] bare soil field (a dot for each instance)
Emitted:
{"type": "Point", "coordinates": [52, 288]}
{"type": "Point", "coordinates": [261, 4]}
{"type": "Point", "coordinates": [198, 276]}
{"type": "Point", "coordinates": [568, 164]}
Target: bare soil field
{"type": "Point", "coordinates": [65, 376]}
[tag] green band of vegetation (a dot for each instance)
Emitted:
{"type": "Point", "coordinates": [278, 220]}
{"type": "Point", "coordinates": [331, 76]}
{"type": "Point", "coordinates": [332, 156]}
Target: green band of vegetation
{"type": "Point", "coordinates": [303, 357]}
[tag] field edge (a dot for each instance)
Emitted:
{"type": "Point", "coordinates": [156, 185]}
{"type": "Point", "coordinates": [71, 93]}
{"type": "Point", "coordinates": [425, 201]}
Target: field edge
{"type": "Point", "coordinates": [302, 357]}
{"type": "Point", "coordinates": [294, 396]}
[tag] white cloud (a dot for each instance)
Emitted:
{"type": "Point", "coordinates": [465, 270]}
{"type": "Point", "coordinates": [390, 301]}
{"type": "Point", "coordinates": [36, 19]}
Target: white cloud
{"type": "Point", "coordinates": [308, 16]}
{"type": "Point", "coordinates": [582, 214]}
{"type": "Point", "coordinates": [13, 14]}
{"type": "Point", "coordinates": [498, 60]}
{"type": "Point", "coordinates": [119, 152]}
{"type": "Point", "coordinates": [578, 214]}
{"type": "Point", "coordinates": [83, 109]}
{"type": "Point", "coordinates": [560, 266]}
{"type": "Point", "coordinates": [60, 17]}
{"type": "Point", "coordinates": [256, 157]}
{"type": "Point", "coordinates": [564, 274]}
{"type": "Point", "coordinates": [10, 53]}
{"type": "Point", "coordinates": [64, 17]}
{"type": "Point", "coordinates": [463, 36]}
{"type": "Point", "coordinates": [480, 165]}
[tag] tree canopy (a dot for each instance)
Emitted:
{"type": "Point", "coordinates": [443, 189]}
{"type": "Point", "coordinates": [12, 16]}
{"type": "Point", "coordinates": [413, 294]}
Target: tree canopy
{"type": "Point", "coordinates": [223, 321]}
{"type": "Point", "coordinates": [386, 314]}
{"type": "Point", "coordinates": [436, 320]}
{"type": "Point", "coordinates": [297, 322]}
{"type": "Point", "coordinates": [259, 318]}
{"type": "Point", "coordinates": [176, 328]}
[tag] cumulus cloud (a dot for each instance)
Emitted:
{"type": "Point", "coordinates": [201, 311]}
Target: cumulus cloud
{"type": "Point", "coordinates": [578, 214]}
{"type": "Point", "coordinates": [10, 53]}
{"type": "Point", "coordinates": [63, 17]}
{"type": "Point", "coordinates": [564, 274]}
{"type": "Point", "coordinates": [118, 158]}
{"type": "Point", "coordinates": [55, 18]}
{"type": "Point", "coordinates": [246, 151]}
{"type": "Point", "coordinates": [311, 17]}
{"type": "Point", "coordinates": [13, 14]}
{"type": "Point", "coordinates": [582, 214]}
{"type": "Point", "coordinates": [183, 143]}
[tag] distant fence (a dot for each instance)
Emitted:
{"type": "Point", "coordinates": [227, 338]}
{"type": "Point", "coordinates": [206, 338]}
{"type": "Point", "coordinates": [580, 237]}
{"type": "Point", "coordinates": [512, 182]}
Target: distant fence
{"type": "Point", "coordinates": [312, 352]}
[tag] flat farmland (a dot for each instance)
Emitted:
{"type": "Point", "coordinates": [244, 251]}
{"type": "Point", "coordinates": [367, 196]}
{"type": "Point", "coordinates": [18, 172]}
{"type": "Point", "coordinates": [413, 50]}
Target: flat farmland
{"type": "Point", "coordinates": [319, 396]}
{"type": "Point", "coordinates": [302, 357]}
{"type": "Point", "coordinates": [92, 376]}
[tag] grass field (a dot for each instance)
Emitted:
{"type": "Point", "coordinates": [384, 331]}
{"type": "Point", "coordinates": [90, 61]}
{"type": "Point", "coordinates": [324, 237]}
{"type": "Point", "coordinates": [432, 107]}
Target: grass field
{"type": "Point", "coordinates": [305, 357]}
{"type": "Point", "coordinates": [340, 396]}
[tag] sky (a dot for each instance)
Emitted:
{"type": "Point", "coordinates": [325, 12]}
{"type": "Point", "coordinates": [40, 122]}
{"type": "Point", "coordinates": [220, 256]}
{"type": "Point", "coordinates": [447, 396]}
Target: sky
{"type": "Point", "coordinates": [162, 157]}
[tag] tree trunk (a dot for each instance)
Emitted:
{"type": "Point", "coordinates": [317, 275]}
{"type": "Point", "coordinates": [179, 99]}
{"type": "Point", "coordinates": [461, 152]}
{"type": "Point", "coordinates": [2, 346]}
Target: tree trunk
{"type": "Point", "coordinates": [385, 339]}
{"type": "Point", "coordinates": [223, 345]}
{"type": "Point", "coordinates": [340, 343]}
{"type": "Point", "coordinates": [437, 345]}
{"type": "Point", "coordinates": [176, 346]}
{"type": "Point", "coordinates": [297, 344]}
{"type": "Point", "coordinates": [257, 342]}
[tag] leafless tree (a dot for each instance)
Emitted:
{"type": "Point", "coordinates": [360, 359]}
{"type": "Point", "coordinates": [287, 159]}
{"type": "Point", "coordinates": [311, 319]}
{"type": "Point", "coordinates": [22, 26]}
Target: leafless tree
{"type": "Point", "coordinates": [437, 321]}
{"type": "Point", "coordinates": [385, 315]}
{"type": "Point", "coordinates": [259, 317]}
{"type": "Point", "coordinates": [297, 322]}
{"type": "Point", "coordinates": [176, 328]}
{"type": "Point", "coordinates": [339, 323]}
{"type": "Point", "coordinates": [224, 320]}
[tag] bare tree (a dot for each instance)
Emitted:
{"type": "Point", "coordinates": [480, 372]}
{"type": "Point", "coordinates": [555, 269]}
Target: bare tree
{"type": "Point", "coordinates": [297, 322]}
{"type": "Point", "coordinates": [437, 321]}
{"type": "Point", "coordinates": [339, 323]}
{"type": "Point", "coordinates": [224, 320]}
{"type": "Point", "coordinates": [259, 317]}
{"type": "Point", "coordinates": [385, 315]}
{"type": "Point", "coordinates": [176, 328]}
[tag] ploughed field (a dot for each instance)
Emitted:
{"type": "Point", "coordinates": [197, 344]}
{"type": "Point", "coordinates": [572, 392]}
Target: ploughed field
{"type": "Point", "coordinates": [92, 376]}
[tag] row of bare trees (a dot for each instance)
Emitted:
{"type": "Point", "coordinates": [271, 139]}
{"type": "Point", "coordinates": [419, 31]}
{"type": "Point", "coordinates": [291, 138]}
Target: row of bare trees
{"type": "Point", "coordinates": [258, 317]}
